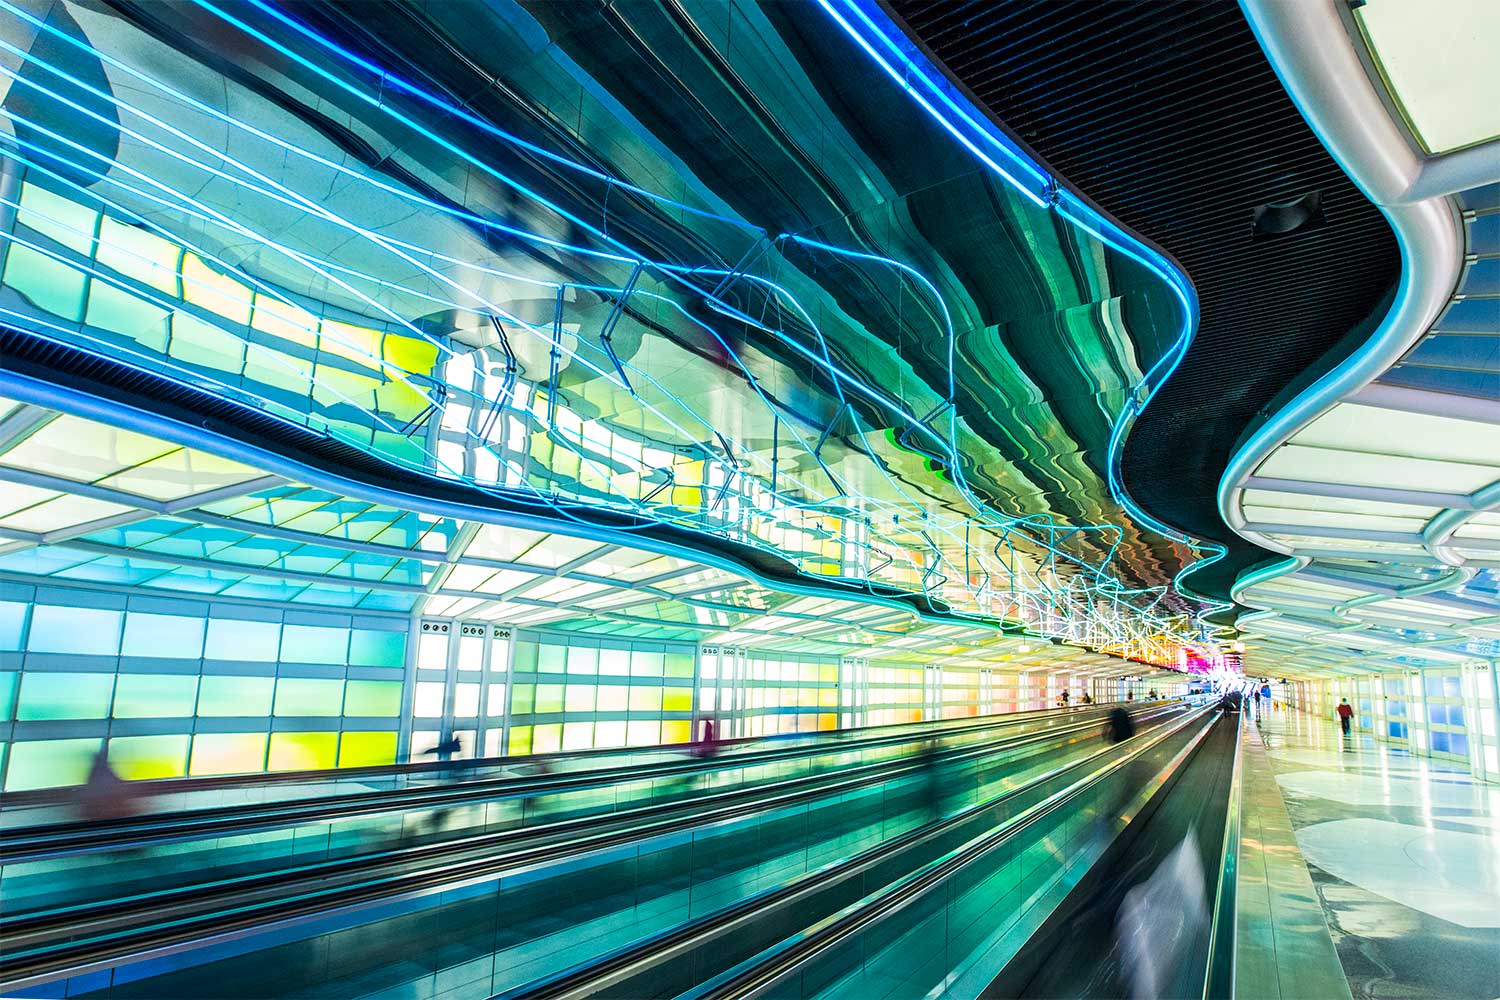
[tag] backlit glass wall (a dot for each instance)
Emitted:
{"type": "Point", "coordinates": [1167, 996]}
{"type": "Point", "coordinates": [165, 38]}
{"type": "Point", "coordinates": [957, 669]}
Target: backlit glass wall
{"type": "Point", "coordinates": [179, 686]}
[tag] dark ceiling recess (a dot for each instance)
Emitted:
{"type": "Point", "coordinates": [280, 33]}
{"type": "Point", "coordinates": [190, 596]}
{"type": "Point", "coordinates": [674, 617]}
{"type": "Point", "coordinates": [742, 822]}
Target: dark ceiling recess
{"type": "Point", "coordinates": [1168, 116]}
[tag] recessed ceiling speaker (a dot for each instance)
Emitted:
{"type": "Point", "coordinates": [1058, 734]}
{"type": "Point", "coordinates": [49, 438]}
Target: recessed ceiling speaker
{"type": "Point", "coordinates": [1283, 218]}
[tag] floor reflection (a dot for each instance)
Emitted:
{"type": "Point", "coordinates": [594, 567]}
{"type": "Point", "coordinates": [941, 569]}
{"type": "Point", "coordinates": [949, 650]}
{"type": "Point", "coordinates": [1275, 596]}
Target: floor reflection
{"type": "Point", "coordinates": [1404, 853]}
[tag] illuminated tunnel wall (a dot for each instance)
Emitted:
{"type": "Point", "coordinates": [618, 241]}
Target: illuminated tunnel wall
{"type": "Point", "coordinates": [182, 686]}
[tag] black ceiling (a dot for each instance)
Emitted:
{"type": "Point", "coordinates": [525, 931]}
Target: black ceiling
{"type": "Point", "coordinates": [1169, 117]}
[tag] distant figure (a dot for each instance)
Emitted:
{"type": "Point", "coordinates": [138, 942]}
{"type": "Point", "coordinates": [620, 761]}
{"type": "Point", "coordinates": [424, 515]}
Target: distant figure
{"type": "Point", "coordinates": [1129, 696]}
{"type": "Point", "coordinates": [105, 795]}
{"type": "Point", "coordinates": [1231, 700]}
{"type": "Point", "coordinates": [1121, 726]}
{"type": "Point", "coordinates": [1088, 699]}
{"type": "Point", "coordinates": [1062, 700]}
{"type": "Point", "coordinates": [1255, 699]}
{"type": "Point", "coordinates": [1346, 713]}
{"type": "Point", "coordinates": [709, 745]}
{"type": "Point", "coordinates": [1151, 695]}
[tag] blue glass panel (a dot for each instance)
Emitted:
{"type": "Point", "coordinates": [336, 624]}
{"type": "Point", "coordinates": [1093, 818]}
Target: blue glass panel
{"type": "Point", "coordinates": [1482, 384]}
{"type": "Point", "coordinates": [236, 640]}
{"type": "Point", "coordinates": [84, 631]}
{"type": "Point", "coordinates": [1440, 742]}
{"type": "Point", "coordinates": [163, 635]}
{"type": "Point", "coordinates": [1458, 743]}
{"type": "Point", "coordinates": [1457, 350]}
{"type": "Point", "coordinates": [314, 644]}
{"type": "Point", "coordinates": [1396, 730]}
{"type": "Point", "coordinates": [1484, 234]}
{"type": "Point", "coordinates": [1468, 316]}
{"type": "Point", "coordinates": [12, 621]}
{"type": "Point", "coordinates": [1482, 278]}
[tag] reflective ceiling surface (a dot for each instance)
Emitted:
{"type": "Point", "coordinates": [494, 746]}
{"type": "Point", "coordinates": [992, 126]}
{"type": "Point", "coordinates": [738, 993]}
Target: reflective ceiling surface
{"type": "Point", "coordinates": [697, 264]}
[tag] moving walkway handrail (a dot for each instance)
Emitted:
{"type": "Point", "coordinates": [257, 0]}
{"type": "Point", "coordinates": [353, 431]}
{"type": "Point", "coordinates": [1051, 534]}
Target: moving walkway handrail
{"type": "Point", "coordinates": [100, 936]}
{"type": "Point", "coordinates": [1218, 984]}
{"type": "Point", "coordinates": [599, 974]}
{"type": "Point", "coordinates": [758, 975]}
{"type": "Point", "coordinates": [33, 843]}
{"type": "Point", "coordinates": [63, 795]}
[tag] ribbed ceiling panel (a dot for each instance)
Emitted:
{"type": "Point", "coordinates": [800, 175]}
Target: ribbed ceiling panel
{"type": "Point", "coordinates": [1169, 117]}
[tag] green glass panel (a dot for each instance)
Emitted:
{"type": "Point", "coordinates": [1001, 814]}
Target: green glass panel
{"type": "Point", "coordinates": [220, 696]}
{"type": "Point", "coordinates": [369, 648]}
{"type": "Point", "coordinates": [155, 696]}
{"type": "Point", "coordinates": [523, 657]}
{"type": "Point", "coordinates": [228, 753]}
{"type": "Point", "coordinates": [198, 343]}
{"type": "Point", "coordinates": [64, 696]}
{"type": "Point", "coordinates": [680, 665]}
{"type": "Point", "coordinates": [368, 698]}
{"type": "Point", "coordinates": [50, 763]}
{"type": "Point", "coordinates": [367, 749]}
{"type": "Point", "coordinates": [9, 681]}
{"type": "Point", "coordinates": [522, 698]}
{"type": "Point", "coordinates": [142, 757]}
{"type": "Point", "coordinates": [51, 286]}
{"type": "Point", "coordinates": [302, 751]}
{"type": "Point", "coordinates": [119, 311]}
{"type": "Point", "coordinates": [549, 698]}
{"type": "Point", "coordinates": [551, 659]}
{"type": "Point", "coordinates": [59, 217]}
{"type": "Point", "coordinates": [304, 696]}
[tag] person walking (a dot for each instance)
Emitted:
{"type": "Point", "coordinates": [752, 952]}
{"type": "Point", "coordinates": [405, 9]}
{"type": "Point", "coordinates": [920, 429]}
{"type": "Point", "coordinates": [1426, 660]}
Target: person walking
{"type": "Point", "coordinates": [1346, 713]}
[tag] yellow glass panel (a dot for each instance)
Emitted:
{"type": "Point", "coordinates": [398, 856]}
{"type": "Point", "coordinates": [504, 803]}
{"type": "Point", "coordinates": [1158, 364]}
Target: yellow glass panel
{"type": "Point", "coordinates": [333, 386]}
{"type": "Point", "coordinates": [205, 287]}
{"type": "Point", "coordinates": [828, 721]}
{"type": "Point", "coordinates": [677, 701]}
{"type": "Point", "coordinates": [63, 219]}
{"type": "Point", "coordinates": [520, 741]}
{"type": "Point", "coordinates": [676, 731]}
{"type": "Point", "coordinates": [281, 319]}
{"type": "Point", "coordinates": [367, 749]}
{"type": "Point", "coordinates": [141, 757]}
{"type": "Point", "coordinates": [228, 753]}
{"type": "Point", "coordinates": [411, 354]}
{"type": "Point", "coordinates": [357, 343]}
{"type": "Point", "coordinates": [137, 253]}
{"type": "Point", "coordinates": [303, 751]}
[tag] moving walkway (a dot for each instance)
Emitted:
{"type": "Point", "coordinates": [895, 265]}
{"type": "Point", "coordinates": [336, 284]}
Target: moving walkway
{"type": "Point", "coordinates": [766, 866]}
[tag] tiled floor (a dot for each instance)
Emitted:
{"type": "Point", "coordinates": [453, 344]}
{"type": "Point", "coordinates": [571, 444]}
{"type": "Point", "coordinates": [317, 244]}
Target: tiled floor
{"type": "Point", "coordinates": [1404, 854]}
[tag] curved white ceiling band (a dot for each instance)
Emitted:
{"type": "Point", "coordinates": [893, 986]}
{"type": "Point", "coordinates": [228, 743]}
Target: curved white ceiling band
{"type": "Point", "coordinates": [1311, 47]}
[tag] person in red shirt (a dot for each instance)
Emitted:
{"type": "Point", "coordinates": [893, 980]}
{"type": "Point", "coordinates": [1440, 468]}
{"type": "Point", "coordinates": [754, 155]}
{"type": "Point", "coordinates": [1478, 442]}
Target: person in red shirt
{"type": "Point", "coordinates": [1345, 714]}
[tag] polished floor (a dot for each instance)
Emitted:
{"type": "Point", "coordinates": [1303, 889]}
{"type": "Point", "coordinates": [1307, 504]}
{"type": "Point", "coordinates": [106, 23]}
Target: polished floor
{"type": "Point", "coordinates": [1404, 855]}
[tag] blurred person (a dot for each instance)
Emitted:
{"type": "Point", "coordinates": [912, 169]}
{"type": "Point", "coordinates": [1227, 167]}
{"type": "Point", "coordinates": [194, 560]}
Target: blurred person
{"type": "Point", "coordinates": [105, 795]}
{"type": "Point", "coordinates": [1346, 715]}
{"type": "Point", "coordinates": [708, 746]}
{"type": "Point", "coordinates": [927, 757]}
{"type": "Point", "coordinates": [1088, 699]}
{"type": "Point", "coordinates": [1151, 695]}
{"type": "Point", "coordinates": [1160, 922]}
{"type": "Point", "coordinates": [1120, 727]}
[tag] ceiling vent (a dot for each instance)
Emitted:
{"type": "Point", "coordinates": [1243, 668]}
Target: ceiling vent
{"type": "Point", "coordinates": [1283, 218]}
